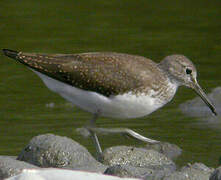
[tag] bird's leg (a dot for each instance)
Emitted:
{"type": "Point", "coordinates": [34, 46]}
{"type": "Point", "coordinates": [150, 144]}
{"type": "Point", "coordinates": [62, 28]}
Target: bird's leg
{"type": "Point", "coordinates": [93, 134]}
{"type": "Point", "coordinates": [124, 131]}
{"type": "Point", "coordinates": [88, 131]}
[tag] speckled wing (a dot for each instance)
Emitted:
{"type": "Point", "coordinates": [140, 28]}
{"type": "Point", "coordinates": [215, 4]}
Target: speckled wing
{"type": "Point", "coordinates": [105, 73]}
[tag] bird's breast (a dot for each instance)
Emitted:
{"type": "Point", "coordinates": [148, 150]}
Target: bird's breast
{"type": "Point", "coordinates": [127, 105]}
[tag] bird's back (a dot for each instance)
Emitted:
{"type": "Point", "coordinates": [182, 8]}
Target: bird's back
{"type": "Point", "coordinates": [107, 73]}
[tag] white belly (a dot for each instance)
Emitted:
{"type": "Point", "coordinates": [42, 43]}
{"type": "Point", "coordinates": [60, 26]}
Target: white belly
{"type": "Point", "coordinates": [120, 106]}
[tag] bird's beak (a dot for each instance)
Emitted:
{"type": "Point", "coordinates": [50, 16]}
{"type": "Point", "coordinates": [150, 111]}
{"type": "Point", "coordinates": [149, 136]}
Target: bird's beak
{"type": "Point", "coordinates": [195, 86]}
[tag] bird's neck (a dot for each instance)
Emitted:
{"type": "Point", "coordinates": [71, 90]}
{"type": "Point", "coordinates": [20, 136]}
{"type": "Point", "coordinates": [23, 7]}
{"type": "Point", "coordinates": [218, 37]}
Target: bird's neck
{"type": "Point", "coordinates": [164, 69]}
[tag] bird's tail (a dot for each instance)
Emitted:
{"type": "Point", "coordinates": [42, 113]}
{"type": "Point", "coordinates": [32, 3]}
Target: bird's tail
{"type": "Point", "coordinates": [49, 65]}
{"type": "Point", "coordinates": [10, 53]}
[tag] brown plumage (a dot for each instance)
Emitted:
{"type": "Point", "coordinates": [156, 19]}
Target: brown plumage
{"type": "Point", "coordinates": [106, 73]}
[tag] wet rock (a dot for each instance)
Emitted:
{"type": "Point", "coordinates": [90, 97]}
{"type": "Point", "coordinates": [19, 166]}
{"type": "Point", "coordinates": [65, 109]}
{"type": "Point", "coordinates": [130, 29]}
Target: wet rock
{"type": "Point", "coordinates": [196, 171]}
{"type": "Point", "coordinates": [127, 161]}
{"type": "Point", "coordinates": [172, 151]}
{"type": "Point", "coordinates": [197, 108]}
{"type": "Point", "coordinates": [66, 105]}
{"type": "Point", "coordinates": [10, 167]}
{"type": "Point", "coordinates": [50, 105]}
{"type": "Point", "coordinates": [55, 151]}
{"type": "Point", "coordinates": [216, 175]}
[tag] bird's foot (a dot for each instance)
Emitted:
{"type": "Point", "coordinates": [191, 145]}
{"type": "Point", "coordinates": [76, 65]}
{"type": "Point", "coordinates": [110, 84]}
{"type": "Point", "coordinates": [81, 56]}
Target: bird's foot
{"type": "Point", "coordinates": [123, 131]}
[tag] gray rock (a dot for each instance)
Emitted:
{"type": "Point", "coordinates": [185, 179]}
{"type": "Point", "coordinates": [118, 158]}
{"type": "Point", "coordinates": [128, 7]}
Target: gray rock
{"type": "Point", "coordinates": [197, 108]}
{"type": "Point", "coordinates": [172, 151]}
{"type": "Point", "coordinates": [127, 161]}
{"type": "Point", "coordinates": [137, 157]}
{"type": "Point", "coordinates": [55, 151]}
{"type": "Point", "coordinates": [196, 171]}
{"type": "Point", "coordinates": [216, 175]}
{"type": "Point", "coordinates": [127, 171]}
{"type": "Point", "coordinates": [12, 157]}
{"type": "Point", "coordinates": [138, 172]}
{"type": "Point", "coordinates": [10, 167]}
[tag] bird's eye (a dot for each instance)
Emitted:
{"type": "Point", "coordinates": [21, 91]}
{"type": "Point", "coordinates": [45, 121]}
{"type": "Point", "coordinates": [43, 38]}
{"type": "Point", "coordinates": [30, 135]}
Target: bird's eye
{"type": "Point", "coordinates": [188, 71]}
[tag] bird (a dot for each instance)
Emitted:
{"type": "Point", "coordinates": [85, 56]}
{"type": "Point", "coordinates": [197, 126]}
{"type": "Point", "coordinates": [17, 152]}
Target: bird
{"type": "Point", "coordinates": [116, 85]}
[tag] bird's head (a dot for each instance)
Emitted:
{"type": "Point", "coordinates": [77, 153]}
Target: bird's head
{"type": "Point", "coordinates": [183, 72]}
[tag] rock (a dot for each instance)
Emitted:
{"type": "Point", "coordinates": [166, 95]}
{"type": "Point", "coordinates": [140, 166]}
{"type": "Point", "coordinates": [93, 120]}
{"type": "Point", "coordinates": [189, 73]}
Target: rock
{"type": "Point", "coordinates": [127, 161]}
{"type": "Point", "coordinates": [55, 151]}
{"type": "Point", "coordinates": [137, 157]}
{"type": "Point", "coordinates": [126, 171]}
{"type": "Point", "coordinates": [10, 166]}
{"type": "Point", "coordinates": [216, 175]}
{"type": "Point", "coordinates": [197, 108]}
{"type": "Point", "coordinates": [64, 174]}
{"type": "Point", "coordinates": [196, 171]}
{"type": "Point", "coordinates": [12, 157]}
{"type": "Point", "coordinates": [138, 172]}
{"type": "Point", "coordinates": [172, 151]}
{"type": "Point", "coordinates": [65, 105]}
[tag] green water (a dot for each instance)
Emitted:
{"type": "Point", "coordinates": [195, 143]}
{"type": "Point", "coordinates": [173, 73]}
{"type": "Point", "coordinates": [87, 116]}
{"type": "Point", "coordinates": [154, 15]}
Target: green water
{"type": "Point", "coordinates": [150, 28]}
